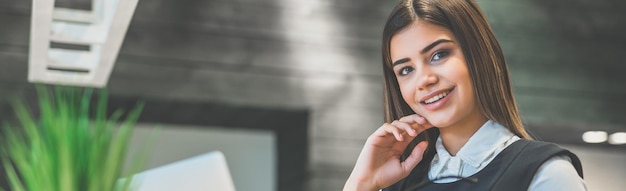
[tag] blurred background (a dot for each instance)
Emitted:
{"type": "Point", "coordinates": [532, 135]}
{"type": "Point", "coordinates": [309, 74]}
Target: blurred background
{"type": "Point", "coordinates": [290, 89]}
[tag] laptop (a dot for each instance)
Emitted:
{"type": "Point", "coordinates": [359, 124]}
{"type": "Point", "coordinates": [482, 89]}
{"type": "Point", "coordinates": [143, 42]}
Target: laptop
{"type": "Point", "coordinates": [204, 172]}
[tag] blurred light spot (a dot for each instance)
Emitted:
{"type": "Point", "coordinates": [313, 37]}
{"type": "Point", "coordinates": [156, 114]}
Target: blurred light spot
{"type": "Point", "coordinates": [618, 138]}
{"type": "Point", "coordinates": [595, 136]}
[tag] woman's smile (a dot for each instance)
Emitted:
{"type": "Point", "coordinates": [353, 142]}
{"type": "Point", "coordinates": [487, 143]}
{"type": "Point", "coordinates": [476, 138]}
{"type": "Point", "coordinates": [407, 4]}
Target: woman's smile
{"type": "Point", "coordinates": [437, 99]}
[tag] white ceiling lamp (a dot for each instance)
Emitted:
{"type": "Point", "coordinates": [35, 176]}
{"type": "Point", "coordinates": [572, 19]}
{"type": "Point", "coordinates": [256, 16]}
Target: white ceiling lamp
{"type": "Point", "coordinates": [618, 138]}
{"type": "Point", "coordinates": [77, 47]}
{"type": "Point", "coordinates": [595, 136]}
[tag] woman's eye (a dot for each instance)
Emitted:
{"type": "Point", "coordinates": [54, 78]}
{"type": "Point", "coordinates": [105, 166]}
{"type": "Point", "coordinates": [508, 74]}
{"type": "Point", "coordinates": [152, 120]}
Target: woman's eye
{"type": "Point", "coordinates": [439, 55]}
{"type": "Point", "coordinates": [405, 71]}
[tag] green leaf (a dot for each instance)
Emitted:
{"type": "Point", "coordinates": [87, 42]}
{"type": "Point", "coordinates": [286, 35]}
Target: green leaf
{"type": "Point", "coordinates": [65, 148]}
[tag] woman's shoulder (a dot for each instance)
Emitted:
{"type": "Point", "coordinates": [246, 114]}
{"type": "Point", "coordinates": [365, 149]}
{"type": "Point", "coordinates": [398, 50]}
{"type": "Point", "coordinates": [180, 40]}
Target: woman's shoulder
{"type": "Point", "coordinates": [538, 164]}
{"type": "Point", "coordinates": [557, 173]}
{"type": "Point", "coordinates": [541, 153]}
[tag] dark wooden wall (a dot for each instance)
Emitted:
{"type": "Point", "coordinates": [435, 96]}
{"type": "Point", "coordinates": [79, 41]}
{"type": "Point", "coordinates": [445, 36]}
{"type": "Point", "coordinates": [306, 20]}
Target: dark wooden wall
{"type": "Point", "coordinates": [565, 57]}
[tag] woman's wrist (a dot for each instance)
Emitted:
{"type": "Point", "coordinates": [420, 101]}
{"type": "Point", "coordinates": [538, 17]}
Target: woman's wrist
{"type": "Point", "coordinates": [359, 185]}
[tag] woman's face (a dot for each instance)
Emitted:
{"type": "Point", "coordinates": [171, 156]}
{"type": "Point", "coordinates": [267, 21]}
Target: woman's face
{"type": "Point", "coordinates": [432, 74]}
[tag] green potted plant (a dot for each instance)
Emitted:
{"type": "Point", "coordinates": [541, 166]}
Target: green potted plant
{"type": "Point", "coordinates": [69, 146]}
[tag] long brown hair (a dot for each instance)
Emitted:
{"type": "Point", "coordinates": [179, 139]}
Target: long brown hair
{"type": "Point", "coordinates": [483, 55]}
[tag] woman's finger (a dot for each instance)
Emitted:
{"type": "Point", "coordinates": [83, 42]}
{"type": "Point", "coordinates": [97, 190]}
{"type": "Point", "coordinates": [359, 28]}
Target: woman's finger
{"type": "Point", "coordinates": [423, 122]}
{"type": "Point", "coordinates": [410, 118]}
{"type": "Point", "coordinates": [387, 129]}
{"type": "Point", "coordinates": [415, 157]}
{"type": "Point", "coordinates": [406, 127]}
{"type": "Point", "coordinates": [415, 118]}
{"type": "Point", "coordinates": [417, 122]}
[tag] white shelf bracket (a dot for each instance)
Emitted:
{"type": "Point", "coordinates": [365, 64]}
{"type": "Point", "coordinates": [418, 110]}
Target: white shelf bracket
{"type": "Point", "coordinates": [77, 47]}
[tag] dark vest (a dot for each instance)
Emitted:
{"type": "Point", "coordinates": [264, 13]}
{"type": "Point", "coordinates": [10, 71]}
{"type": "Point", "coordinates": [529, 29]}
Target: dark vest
{"type": "Point", "coordinates": [512, 170]}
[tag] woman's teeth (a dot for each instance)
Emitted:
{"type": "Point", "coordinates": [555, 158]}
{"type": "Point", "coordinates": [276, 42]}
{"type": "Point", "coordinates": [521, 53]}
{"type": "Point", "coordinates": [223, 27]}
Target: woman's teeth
{"type": "Point", "coordinates": [436, 98]}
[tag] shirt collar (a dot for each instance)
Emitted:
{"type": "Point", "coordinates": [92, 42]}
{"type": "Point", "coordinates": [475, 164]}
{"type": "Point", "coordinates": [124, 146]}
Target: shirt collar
{"type": "Point", "coordinates": [480, 146]}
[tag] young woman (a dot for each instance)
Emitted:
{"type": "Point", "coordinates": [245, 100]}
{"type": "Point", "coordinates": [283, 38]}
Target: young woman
{"type": "Point", "coordinates": [451, 119]}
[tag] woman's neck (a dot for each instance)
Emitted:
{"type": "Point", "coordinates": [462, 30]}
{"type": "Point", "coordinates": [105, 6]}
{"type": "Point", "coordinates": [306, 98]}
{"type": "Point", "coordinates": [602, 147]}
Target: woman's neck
{"type": "Point", "coordinates": [455, 136]}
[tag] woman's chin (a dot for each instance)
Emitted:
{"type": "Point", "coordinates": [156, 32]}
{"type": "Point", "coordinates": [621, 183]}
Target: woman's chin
{"type": "Point", "coordinates": [439, 123]}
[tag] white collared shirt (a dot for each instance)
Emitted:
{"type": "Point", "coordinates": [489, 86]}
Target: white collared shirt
{"type": "Point", "coordinates": [487, 142]}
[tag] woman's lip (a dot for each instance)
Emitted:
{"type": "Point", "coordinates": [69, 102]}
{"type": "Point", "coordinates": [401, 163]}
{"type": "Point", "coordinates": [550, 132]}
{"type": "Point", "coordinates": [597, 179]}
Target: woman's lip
{"type": "Point", "coordinates": [438, 104]}
{"type": "Point", "coordinates": [433, 94]}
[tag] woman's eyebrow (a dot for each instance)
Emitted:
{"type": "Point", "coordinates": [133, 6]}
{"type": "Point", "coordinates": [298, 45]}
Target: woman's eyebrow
{"type": "Point", "coordinates": [401, 61]}
{"type": "Point", "coordinates": [432, 45]}
{"type": "Point", "coordinates": [423, 51]}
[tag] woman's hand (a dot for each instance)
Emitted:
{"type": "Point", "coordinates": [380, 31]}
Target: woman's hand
{"type": "Point", "coordinates": [378, 165]}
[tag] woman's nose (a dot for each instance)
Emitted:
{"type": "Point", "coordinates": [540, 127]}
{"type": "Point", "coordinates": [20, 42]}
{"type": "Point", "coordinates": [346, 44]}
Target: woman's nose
{"type": "Point", "coordinates": [426, 81]}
